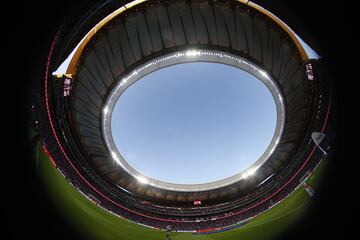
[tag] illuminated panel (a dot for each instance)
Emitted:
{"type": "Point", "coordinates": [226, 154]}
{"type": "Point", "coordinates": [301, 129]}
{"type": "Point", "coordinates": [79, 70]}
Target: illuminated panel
{"type": "Point", "coordinates": [309, 72]}
{"type": "Point", "coordinates": [67, 86]}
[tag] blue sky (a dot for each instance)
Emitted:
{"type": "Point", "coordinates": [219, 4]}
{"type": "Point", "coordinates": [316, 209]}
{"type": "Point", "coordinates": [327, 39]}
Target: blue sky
{"type": "Point", "coordinates": [194, 122]}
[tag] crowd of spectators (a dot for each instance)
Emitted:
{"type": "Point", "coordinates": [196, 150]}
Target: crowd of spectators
{"type": "Point", "coordinates": [123, 204]}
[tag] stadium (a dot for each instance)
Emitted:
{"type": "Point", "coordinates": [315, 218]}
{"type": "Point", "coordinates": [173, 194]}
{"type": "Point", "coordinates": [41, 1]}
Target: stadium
{"type": "Point", "coordinates": [92, 63]}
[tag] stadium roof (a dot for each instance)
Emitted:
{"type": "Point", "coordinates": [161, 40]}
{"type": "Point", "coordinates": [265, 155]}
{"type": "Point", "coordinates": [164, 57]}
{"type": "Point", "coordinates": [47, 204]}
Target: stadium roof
{"type": "Point", "coordinates": [132, 39]}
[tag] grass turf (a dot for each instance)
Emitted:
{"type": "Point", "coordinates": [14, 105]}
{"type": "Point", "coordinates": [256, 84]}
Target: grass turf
{"type": "Point", "coordinates": [95, 223]}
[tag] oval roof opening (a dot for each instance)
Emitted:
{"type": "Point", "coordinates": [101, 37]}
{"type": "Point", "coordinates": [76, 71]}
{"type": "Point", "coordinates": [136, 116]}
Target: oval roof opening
{"type": "Point", "coordinates": [194, 123]}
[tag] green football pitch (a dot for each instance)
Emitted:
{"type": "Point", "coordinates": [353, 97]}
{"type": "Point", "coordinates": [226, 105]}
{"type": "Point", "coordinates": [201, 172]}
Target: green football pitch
{"type": "Point", "coordinates": [95, 223]}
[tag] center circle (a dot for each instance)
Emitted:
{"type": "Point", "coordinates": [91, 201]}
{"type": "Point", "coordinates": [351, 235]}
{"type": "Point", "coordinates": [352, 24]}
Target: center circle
{"type": "Point", "coordinates": [194, 123]}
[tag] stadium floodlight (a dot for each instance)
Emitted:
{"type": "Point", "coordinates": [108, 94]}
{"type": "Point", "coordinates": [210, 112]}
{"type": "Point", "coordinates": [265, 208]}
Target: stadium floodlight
{"type": "Point", "coordinates": [263, 73]}
{"type": "Point", "coordinates": [318, 137]}
{"type": "Point", "coordinates": [142, 179]}
{"type": "Point", "coordinates": [115, 157]}
{"type": "Point", "coordinates": [250, 172]}
{"type": "Point", "coordinates": [192, 53]}
{"type": "Point", "coordinates": [106, 110]}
